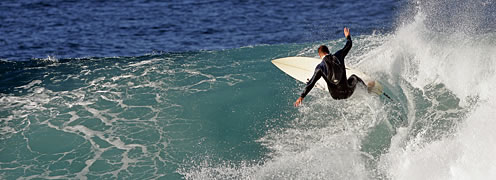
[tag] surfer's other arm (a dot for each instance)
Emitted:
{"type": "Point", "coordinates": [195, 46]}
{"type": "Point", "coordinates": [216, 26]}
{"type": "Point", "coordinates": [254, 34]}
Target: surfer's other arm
{"type": "Point", "coordinates": [316, 76]}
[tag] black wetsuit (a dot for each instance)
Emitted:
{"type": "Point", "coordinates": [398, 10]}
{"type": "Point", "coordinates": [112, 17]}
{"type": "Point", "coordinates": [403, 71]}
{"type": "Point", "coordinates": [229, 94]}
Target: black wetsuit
{"type": "Point", "coordinates": [333, 71]}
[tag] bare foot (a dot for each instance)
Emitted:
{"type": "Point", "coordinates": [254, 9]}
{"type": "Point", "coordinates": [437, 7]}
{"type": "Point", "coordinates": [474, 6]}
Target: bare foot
{"type": "Point", "coordinates": [370, 86]}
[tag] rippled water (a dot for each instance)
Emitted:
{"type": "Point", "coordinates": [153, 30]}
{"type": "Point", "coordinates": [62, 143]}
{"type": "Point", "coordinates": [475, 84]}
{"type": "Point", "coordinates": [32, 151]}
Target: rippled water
{"type": "Point", "coordinates": [74, 29]}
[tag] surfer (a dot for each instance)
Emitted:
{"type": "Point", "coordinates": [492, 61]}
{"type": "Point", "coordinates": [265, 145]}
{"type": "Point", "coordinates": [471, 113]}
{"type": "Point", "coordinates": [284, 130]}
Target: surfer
{"type": "Point", "coordinates": [333, 71]}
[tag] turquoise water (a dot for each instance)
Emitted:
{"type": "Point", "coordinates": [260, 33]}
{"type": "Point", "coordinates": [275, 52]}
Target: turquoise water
{"type": "Point", "coordinates": [228, 114]}
{"type": "Point", "coordinates": [214, 114]}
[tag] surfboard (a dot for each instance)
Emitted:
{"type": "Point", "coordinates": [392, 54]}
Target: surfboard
{"type": "Point", "coordinates": [302, 68]}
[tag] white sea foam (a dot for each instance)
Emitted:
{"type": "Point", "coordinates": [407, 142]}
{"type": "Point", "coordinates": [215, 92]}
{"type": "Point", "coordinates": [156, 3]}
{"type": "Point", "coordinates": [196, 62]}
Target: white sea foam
{"type": "Point", "coordinates": [31, 84]}
{"type": "Point", "coordinates": [465, 65]}
{"type": "Point", "coordinates": [143, 62]}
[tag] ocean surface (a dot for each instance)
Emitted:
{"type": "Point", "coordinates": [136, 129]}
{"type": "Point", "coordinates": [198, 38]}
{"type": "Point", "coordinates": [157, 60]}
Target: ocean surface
{"type": "Point", "coordinates": [75, 29]}
{"type": "Point", "coordinates": [187, 90]}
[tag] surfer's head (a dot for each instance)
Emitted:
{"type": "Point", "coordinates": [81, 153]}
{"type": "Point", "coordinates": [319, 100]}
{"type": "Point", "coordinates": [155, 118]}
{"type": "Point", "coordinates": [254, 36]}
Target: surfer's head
{"type": "Point", "coordinates": [323, 51]}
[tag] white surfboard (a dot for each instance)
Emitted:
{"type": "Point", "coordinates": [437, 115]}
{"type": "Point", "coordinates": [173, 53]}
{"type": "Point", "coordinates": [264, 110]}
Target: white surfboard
{"type": "Point", "coordinates": [302, 68]}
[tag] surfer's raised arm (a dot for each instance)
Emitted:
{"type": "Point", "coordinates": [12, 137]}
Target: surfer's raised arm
{"type": "Point", "coordinates": [343, 52]}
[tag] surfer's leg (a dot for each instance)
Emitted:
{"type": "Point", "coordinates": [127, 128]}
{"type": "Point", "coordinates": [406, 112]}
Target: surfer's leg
{"type": "Point", "coordinates": [353, 80]}
{"type": "Point", "coordinates": [352, 83]}
{"type": "Point", "coordinates": [368, 86]}
{"type": "Point", "coordinates": [358, 79]}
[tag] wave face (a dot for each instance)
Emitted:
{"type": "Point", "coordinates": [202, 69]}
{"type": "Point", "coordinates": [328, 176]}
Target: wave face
{"type": "Point", "coordinates": [228, 114]}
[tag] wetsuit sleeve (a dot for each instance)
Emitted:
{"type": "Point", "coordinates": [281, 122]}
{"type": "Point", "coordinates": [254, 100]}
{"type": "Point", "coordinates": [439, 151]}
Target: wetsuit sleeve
{"type": "Point", "coordinates": [316, 76]}
{"type": "Point", "coordinates": [343, 52]}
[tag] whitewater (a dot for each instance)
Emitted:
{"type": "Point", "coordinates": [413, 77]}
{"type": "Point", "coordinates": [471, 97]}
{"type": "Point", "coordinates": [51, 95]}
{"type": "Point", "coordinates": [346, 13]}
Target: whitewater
{"type": "Point", "coordinates": [228, 114]}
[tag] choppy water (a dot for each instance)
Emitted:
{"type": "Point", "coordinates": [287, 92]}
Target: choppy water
{"type": "Point", "coordinates": [227, 114]}
{"type": "Point", "coordinates": [74, 29]}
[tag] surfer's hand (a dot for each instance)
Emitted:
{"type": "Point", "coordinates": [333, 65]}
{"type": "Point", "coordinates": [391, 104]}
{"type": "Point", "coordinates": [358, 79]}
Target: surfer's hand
{"type": "Point", "coordinates": [298, 102]}
{"type": "Point", "coordinates": [346, 32]}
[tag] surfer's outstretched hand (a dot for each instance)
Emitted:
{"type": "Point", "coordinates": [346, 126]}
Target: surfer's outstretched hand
{"type": "Point", "coordinates": [346, 31]}
{"type": "Point", "coordinates": [298, 102]}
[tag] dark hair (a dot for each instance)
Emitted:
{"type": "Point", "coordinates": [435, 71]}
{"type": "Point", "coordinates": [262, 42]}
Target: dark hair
{"type": "Point", "coordinates": [324, 49]}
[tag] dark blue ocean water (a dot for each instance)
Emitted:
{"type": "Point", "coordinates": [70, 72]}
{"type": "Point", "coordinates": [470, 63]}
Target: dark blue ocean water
{"type": "Point", "coordinates": [72, 29]}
